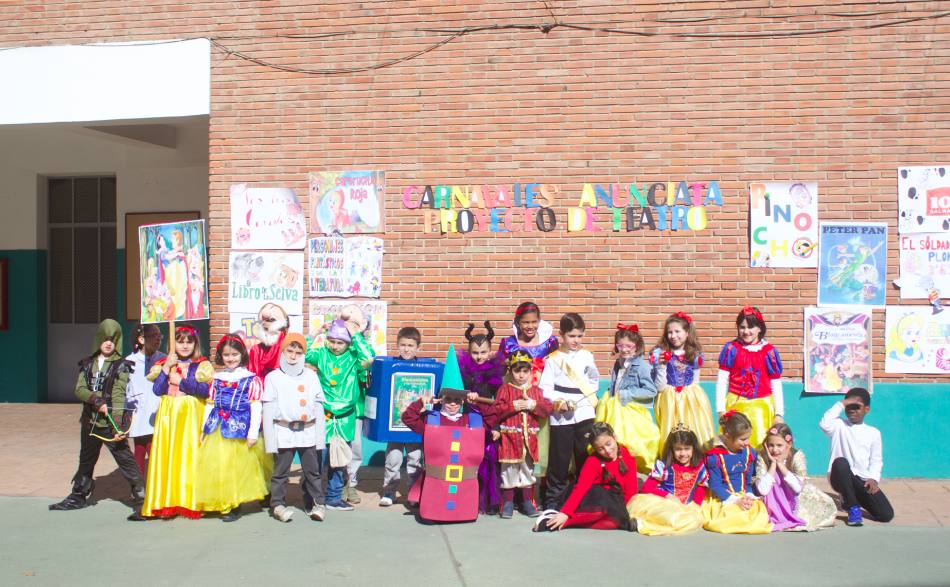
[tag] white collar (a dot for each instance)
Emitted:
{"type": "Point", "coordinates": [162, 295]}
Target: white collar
{"type": "Point", "coordinates": [545, 331]}
{"type": "Point", "coordinates": [453, 417]}
{"type": "Point", "coordinates": [234, 375]}
{"type": "Point", "coordinates": [754, 347]}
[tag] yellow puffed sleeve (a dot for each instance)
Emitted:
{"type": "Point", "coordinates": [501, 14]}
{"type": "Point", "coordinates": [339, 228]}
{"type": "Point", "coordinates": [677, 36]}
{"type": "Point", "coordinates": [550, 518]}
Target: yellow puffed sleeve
{"type": "Point", "coordinates": [205, 372]}
{"type": "Point", "coordinates": [153, 372]}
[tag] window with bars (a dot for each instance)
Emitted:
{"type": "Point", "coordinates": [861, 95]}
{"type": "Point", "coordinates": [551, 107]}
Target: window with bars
{"type": "Point", "coordinates": [82, 249]}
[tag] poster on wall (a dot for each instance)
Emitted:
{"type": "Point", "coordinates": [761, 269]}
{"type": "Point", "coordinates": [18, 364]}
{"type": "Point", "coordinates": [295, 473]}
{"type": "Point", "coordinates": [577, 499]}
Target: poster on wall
{"type": "Point", "coordinates": [345, 267]}
{"type": "Point", "coordinates": [255, 278]}
{"type": "Point", "coordinates": [369, 315]}
{"type": "Point", "coordinates": [923, 199]}
{"type": "Point", "coordinates": [347, 202]}
{"type": "Point", "coordinates": [172, 265]}
{"type": "Point", "coordinates": [249, 326]}
{"type": "Point", "coordinates": [924, 265]}
{"type": "Point", "coordinates": [917, 339]}
{"type": "Point", "coordinates": [852, 268]}
{"type": "Point", "coordinates": [837, 349]}
{"type": "Point", "coordinates": [266, 218]}
{"type": "Point", "coordinates": [783, 224]}
{"type": "Point", "coordinates": [407, 388]}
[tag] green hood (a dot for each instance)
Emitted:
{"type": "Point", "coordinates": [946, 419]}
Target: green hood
{"type": "Point", "coordinates": [108, 329]}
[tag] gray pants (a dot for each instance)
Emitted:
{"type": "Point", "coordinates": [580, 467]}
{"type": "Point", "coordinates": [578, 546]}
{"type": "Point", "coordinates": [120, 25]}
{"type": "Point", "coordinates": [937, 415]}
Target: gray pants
{"type": "Point", "coordinates": [394, 450]}
{"type": "Point", "coordinates": [311, 462]}
{"type": "Point", "coordinates": [352, 469]}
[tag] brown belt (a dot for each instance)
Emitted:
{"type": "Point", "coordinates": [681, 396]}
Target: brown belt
{"type": "Point", "coordinates": [451, 473]}
{"type": "Point", "coordinates": [295, 425]}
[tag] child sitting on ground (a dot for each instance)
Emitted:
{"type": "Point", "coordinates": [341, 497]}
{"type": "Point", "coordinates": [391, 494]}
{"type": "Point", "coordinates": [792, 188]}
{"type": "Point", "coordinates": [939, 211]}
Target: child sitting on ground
{"type": "Point", "coordinates": [856, 458]}
{"type": "Point", "coordinates": [792, 502]}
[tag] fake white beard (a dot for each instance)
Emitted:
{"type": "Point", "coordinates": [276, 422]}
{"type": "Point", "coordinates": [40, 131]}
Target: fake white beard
{"type": "Point", "coordinates": [295, 370]}
{"type": "Point", "coordinates": [270, 331]}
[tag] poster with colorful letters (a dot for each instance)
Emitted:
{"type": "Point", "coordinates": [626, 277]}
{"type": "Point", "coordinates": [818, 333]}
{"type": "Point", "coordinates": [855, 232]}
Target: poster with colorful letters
{"type": "Point", "coordinates": [370, 315]}
{"type": "Point", "coordinates": [837, 349]}
{"type": "Point", "coordinates": [923, 199]}
{"type": "Point", "coordinates": [266, 218]}
{"type": "Point", "coordinates": [783, 224]}
{"type": "Point", "coordinates": [173, 267]}
{"type": "Point", "coordinates": [345, 267]}
{"type": "Point", "coordinates": [347, 202]}
{"type": "Point", "coordinates": [249, 326]}
{"type": "Point", "coordinates": [255, 278]}
{"type": "Point", "coordinates": [852, 268]}
{"type": "Point", "coordinates": [918, 341]}
{"type": "Point", "coordinates": [924, 265]}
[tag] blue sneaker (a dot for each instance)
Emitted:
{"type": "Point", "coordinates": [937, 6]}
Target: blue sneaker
{"type": "Point", "coordinates": [854, 516]}
{"type": "Point", "coordinates": [507, 510]}
{"type": "Point", "coordinates": [529, 509]}
{"type": "Point", "coordinates": [339, 506]}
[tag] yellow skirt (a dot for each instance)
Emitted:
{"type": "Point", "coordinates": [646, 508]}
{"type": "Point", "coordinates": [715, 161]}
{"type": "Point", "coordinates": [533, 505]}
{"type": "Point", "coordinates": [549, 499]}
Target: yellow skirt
{"type": "Point", "coordinates": [689, 406]}
{"type": "Point", "coordinates": [760, 411]}
{"type": "Point", "coordinates": [731, 519]}
{"type": "Point", "coordinates": [230, 473]}
{"type": "Point", "coordinates": [658, 516]}
{"type": "Point", "coordinates": [634, 428]}
{"type": "Point", "coordinates": [170, 488]}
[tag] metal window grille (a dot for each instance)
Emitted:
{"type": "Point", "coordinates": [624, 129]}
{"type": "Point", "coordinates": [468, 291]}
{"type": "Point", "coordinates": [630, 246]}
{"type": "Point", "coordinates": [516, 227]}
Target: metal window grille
{"type": "Point", "coordinates": [82, 249]}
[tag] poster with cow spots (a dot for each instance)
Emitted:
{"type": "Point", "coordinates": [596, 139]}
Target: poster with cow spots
{"type": "Point", "coordinates": [923, 199]}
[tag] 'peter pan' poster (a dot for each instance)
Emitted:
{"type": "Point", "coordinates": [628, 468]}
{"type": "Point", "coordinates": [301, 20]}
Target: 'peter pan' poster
{"type": "Point", "coordinates": [852, 267]}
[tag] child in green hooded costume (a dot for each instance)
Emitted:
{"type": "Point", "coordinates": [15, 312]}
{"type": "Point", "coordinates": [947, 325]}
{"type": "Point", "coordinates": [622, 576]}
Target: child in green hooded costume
{"type": "Point", "coordinates": [103, 377]}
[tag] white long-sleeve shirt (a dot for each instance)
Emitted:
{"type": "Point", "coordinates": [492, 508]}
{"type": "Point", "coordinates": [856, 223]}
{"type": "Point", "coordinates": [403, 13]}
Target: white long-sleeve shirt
{"type": "Point", "coordinates": [582, 362]}
{"type": "Point", "coordinates": [859, 443]}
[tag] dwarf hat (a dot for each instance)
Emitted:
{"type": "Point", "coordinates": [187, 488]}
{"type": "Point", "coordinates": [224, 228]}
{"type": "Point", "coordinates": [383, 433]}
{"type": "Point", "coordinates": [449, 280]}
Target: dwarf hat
{"type": "Point", "coordinates": [452, 385]}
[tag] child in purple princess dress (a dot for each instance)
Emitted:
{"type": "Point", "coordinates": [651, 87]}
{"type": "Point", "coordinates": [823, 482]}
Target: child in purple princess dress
{"type": "Point", "coordinates": [482, 372]}
{"type": "Point", "coordinates": [780, 478]}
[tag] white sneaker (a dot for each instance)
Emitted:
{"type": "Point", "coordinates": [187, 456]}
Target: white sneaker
{"type": "Point", "coordinates": [386, 501]}
{"type": "Point", "coordinates": [318, 513]}
{"type": "Point", "coordinates": [282, 513]}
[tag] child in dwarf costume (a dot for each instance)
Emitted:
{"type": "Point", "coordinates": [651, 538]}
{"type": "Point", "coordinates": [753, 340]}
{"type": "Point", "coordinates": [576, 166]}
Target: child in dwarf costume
{"type": "Point", "coordinates": [453, 445]}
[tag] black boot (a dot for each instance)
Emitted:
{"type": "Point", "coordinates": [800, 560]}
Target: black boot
{"type": "Point", "coordinates": [232, 516]}
{"type": "Point", "coordinates": [78, 497]}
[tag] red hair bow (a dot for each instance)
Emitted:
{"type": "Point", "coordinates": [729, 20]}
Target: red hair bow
{"type": "Point", "coordinates": [228, 338]}
{"type": "Point", "coordinates": [684, 316]}
{"type": "Point", "coordinates": [730, 413]}
{"type": "Point", "coordinates": [750, 311]}
{"type": "Point", "coordinates": [628, 328]}
{"type": "Point", "coordinates": [187, 329]}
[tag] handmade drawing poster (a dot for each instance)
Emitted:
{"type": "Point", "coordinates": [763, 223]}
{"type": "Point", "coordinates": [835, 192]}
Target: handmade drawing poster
{"type": "Point", "coordinates": [407, 388]}
{"type": "Point", "coordinates": [368, 315]}
{"type": "Point", "coordinates": [923, 199]}
{"type": "Point", "coordinates": [783, 224]}
{"type": "Point", "coordinates": [249, 326]}
{"type": "Point", "coordinates": [852, 267]}
{"type": "Point", "coordinates": [924, 265]}
{"type": "Point", "coordinates": [347, 202]}
{"type": "Point", "coordinates": [172, 264]}
{"type": "Point", "coordinates": [266, 218]}
{"type": "Point", "coordinates": [918, 341]}
{"type": "Point", "coordinates": [255, 278]}
{"type": "Point", "coordinates": [837, 349]}
{"type": "Point", "coordinates": [347, 267]}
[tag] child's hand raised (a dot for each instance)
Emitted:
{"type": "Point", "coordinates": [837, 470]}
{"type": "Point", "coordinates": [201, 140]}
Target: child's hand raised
{"type": "Point", "coordinates": [472, 396]}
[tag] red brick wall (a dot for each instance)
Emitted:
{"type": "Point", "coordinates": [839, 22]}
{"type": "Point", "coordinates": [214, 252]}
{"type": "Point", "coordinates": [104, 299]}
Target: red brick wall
{"type": "Point", "coordinates": [843, 108]}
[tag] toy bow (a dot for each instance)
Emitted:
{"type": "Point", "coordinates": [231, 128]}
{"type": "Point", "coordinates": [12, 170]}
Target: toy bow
{"type": "Point", "coordinates": [684, 316]}
{"type": "Point", "coordinates": [751, 311]}
{"type": "Point", "coordinates": [628, 328]}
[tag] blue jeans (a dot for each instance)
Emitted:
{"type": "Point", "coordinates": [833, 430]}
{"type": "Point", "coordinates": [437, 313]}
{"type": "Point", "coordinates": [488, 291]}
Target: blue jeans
{"type": "Point", "coordinates": [335, 480]}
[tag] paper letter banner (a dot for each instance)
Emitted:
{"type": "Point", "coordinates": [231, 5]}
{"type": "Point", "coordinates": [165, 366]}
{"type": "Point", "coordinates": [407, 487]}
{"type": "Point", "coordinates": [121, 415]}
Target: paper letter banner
{"type": "Point", "coordinates": [852, 268]}
{"type": "Point", "coordinates": [342, 268]}
{"type": "Point", "coordinates": [783, 224]}
{"type": "Point", "coordinates": [172, 263]}
{"type": "Point", "coordinates": [924, 264]}
{"type": "Point", "coordinates": [923, 199]}
{"type": "Point", "coordinates": [257, 278]}
{"type": "Point", "coordinates": [837, 349]}
{"type": "Point", "coordinates": [918, 341]}
{"type": "Point", "coordinates": [347, 202]}
{"type": "Point", "coordinates": [266, 218]}
{"type": "Point", "coordinates": [249, 326]}
{"type": "Point", "coordinates": [369, 314]}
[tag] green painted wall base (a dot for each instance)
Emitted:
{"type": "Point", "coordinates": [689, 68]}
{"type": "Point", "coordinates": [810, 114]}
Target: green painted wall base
{"type": "Point", "coordinates": [912, 419]}
{"type": "Point", "coordinates": [23, 344]}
